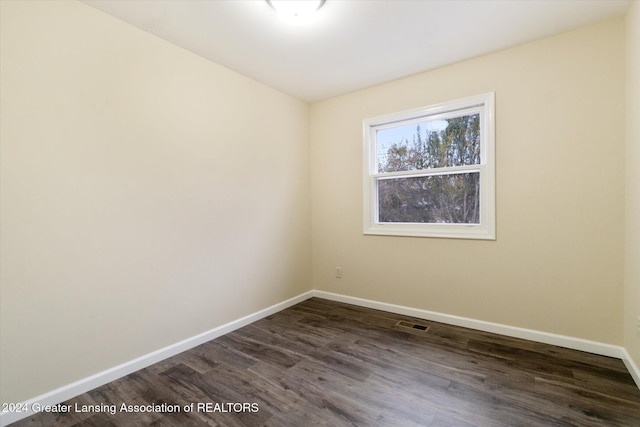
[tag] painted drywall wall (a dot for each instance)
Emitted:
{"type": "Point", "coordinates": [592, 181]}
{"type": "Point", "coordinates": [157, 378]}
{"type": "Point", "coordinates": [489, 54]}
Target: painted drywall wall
{"type": "Point", "coordinates": [632, 212]}
{"type": "Point", "coordinates": [148, 195]}
{"type": "Point", "coordinates": [557, 263]}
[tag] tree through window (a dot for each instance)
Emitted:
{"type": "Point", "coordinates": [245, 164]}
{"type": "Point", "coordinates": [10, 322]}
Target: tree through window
{"type": "Point", "coordinates": [429, 172]}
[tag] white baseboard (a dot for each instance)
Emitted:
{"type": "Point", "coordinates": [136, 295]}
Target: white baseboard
{"type": "Point", "coordinates": [496, 328]}
{"type": "Point", "coordinates": [86, 384]}
{"type": "Point", "coordinates": [631, 366]}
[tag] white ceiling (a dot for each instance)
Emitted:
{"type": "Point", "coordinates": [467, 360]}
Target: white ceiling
{"type": "Point", "coordinates": [353, 44]}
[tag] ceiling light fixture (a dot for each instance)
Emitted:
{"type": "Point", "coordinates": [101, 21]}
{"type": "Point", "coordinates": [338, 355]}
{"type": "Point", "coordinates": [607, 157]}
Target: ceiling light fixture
{"type": "Point", "coordinates": [296, 8]}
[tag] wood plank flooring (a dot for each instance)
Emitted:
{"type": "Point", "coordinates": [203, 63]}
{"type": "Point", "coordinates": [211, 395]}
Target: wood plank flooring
{"type": "Point", "coordinates": [323, 363]}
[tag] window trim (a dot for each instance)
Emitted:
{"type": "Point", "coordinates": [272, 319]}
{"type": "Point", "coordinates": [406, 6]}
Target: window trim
{"type": "Point", "coordinates": [486, 229]}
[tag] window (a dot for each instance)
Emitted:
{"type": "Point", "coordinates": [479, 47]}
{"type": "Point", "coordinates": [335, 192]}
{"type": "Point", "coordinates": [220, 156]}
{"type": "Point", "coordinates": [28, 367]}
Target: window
{"type": "Point", "coordinates": [430, 172]}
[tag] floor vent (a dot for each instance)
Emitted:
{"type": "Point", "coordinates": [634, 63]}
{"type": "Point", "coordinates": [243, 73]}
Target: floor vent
{"type": "Point", "coordinates": [410, 325]}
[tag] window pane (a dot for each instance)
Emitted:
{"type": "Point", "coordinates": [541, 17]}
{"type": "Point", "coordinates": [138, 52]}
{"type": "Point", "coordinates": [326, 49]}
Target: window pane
{"type": "Point", "coordinates": [447, 199]}
{"type": "Point", "coordinates": [429, 144]}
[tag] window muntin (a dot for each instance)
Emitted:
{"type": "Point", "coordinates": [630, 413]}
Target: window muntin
{"type": "Point", "coordinates": [430, 172]}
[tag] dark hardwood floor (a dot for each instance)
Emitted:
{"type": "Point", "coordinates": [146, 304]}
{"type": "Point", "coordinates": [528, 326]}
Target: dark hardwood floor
{"type": "Point", "coordinates": [333, 364]}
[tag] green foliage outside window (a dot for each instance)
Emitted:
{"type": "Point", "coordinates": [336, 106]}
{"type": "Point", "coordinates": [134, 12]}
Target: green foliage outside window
{"type": "Point", "coordinates": [443, 197]}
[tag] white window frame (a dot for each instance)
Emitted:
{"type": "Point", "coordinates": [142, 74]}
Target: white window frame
{"type": "Point", "coordinates": [484, 104]}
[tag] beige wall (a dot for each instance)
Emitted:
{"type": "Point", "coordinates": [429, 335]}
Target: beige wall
{"type": "Point", "coordinates": [148, 195]}
{"type": "Point", "coordinates": [632, 228]}
{"type": "Point", "coordinates": [557, 263]}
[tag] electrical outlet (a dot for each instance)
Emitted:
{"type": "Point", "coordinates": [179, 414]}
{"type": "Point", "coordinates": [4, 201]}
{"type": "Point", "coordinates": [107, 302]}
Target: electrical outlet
{"type": "Point", "coordinates": [338, 272]}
